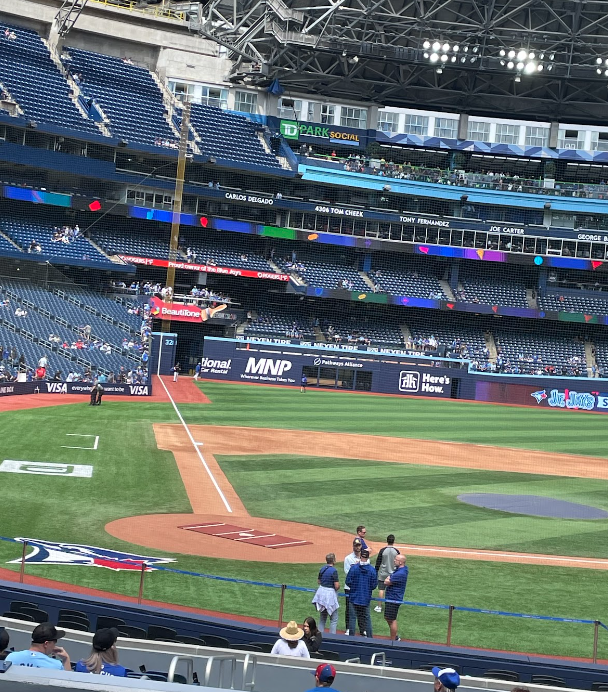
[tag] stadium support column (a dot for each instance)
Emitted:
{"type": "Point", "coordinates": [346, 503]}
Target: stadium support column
{"type": "Point", "coordinates": [177, 207]}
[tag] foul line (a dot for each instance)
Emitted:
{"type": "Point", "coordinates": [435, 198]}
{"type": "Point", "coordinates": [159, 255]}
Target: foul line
{"type": "Point", "coordinates": [506, 554]}
{"type": "Point", "coordinates": [196, 448]}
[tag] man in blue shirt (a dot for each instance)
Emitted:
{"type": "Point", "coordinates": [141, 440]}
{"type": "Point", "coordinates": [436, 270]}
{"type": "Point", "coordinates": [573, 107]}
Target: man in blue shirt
{"type": "Point", "coordinates": [395, 591]}
{"type": "Point", "coordinates": [44, 645]}
{"type": "Point", "coordinates": [361, 531]}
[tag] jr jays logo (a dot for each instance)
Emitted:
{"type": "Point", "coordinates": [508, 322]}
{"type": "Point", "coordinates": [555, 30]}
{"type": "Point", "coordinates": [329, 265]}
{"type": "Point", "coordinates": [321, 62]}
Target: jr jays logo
{"type": "Point", "coordinates": [50, 553]}
{"type": "Point", "coordinates": [566, 399]}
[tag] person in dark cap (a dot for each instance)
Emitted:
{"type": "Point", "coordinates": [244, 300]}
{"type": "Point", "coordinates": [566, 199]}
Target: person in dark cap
{"type": "Point", "coordinates": [446, 679]}
{"type": "Point", "coordinates": [4, 640]}
{"type": "Point", "coordinates": [103, 659]}
{"type": "Point", "coordinates": [43, 650]}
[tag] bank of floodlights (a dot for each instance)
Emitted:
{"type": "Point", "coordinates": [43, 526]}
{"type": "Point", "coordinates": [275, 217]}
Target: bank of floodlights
{"type": "Point", "coordinates": [526, 62]}
{"type": "Point", "coordinates": [602, 66]}
{"type": "Point", "coordinates": [443, 53]}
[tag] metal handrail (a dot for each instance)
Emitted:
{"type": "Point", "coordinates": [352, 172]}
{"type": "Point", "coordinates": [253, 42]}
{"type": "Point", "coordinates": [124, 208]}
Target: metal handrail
{"type": "Point", "coordinates": [253, 659]}
{"type": "Point", "coordinates": [222, 660]}
{"type": "Point", "coordinates": [189, 668]}
{"type": "Point", "coordinates": [379, 656]}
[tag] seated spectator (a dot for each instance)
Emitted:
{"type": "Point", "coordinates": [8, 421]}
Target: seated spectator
{"type": "Point", "coordinates": [4, 640]}
{"type": "Point", "coordinates": [20, 312]}
{"type": "Point", "coordinates": [325, 674]}
{"type": "Point", "coordinates": [103, 659]}
{"type": "Point", "coordinates": [312, 637]}
{"type": "Point", "coordinates": [445, 679]}
{"type": "Point", "coordinates": [290, 643]}
{"type": "Point", "coordinates": [43, 648]}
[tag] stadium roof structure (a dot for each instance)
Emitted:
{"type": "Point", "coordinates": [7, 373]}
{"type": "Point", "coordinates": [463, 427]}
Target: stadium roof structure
{"type": "Point", "coordinates": [540, 60]}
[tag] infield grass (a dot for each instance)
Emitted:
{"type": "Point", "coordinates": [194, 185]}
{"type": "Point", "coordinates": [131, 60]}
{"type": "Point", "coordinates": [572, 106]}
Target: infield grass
{"type": "Point", "coordinates": [131, 476]}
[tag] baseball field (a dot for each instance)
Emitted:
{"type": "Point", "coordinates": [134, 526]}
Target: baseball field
{"type": "Point", "coordinates": [262, 481]}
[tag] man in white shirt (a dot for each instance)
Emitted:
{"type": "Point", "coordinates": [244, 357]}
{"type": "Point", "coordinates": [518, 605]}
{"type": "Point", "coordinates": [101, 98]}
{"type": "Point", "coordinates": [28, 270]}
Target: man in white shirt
{"type": "Point", "coordinates": [290, 643]}
{"type": "Point", "coordinates": [349, 561]}
{"type": "Point", "coordinates": [44, 645]}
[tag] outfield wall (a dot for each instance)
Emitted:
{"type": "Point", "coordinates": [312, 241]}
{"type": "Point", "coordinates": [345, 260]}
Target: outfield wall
{"type": "Point", "coordinates": [392, 373]}
{"type": "Point", "coordinates": [84, 388]}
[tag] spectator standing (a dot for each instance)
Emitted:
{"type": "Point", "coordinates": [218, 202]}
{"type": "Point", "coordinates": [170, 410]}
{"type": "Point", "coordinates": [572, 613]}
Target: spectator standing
{"type": "Point", "coordinates": [290, 642]}
{"type": "Point", "coordinates": [325, 598]}
{"type": "Point", "coordinates": [103, 659]}
{"type": "Point", "coordinates": [100, 393]}
{"type": "Point", "coordinates": [361, 532]}
{"type": "Point", "coordinates": [312, 637]}
{"type": "Point", "coordinates": [43, 648]}
{"type": "Point", "coordinates": [350, 560]}
{"type": "Point", "coordinates": [362, 580]}
{"type": "Point", "coordinates": [395, 591]}
{"type": "Point", "coordinates": [325, 674]}
{"type": "Point", "coordinates": [303, 383]}
{"type": "Point", "coordinates": [385, 565]}
{"type": "Point", "coordinates": [197, 371]}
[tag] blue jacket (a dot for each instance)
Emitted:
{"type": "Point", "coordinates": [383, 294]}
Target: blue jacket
{"type": "Point", "coordinates": [362, 580]}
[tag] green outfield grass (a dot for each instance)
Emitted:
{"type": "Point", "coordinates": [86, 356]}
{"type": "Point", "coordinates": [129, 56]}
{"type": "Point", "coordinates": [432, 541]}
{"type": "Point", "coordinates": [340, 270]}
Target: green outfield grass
{"type": "Point", "coordinates": [417, 503]}
{"type": "Point", "coordinates": [132, 476]}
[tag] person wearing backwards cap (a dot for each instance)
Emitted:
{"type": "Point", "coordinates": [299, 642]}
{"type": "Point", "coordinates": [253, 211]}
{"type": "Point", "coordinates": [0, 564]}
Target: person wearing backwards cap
{"type": "Point", "coordinates": [44, 645]}
{"type": "Point", "coordinates": [362, 579]}
{"type": "Point", "coordinates": [290, 643]}
{"type": "Point", "coordinates": [103, 659]}
{"type": "Point", "coordinates": [446, 679]}
{"type": "Point", "coordinates": [325, 675]}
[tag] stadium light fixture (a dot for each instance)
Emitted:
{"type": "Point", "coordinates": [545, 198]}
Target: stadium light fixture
{"type": "Point", "coordinates": [526, 61]}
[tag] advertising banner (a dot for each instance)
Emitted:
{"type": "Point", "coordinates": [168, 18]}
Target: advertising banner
{"type": "Point", "coordinates": [44, 387]}
{"type": "Point", "coordinates": [183, 312]}
{"type": "Point", "coordinates": [228, 359]}
{"type": "Point", "coordinates": [320, 133]}
{"type": "Point", "coordinates": [569, 394]}
{"type": "Point", "coordinates": [208, 268]}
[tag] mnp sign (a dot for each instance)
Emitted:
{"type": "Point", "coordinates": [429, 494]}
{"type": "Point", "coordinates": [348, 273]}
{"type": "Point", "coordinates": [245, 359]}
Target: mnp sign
{"type": "Point", "coordinates": [268, 370]}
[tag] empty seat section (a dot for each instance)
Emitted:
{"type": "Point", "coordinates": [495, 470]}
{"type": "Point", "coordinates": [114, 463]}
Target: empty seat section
{"type": "Point", "coordinates": [31, 77]}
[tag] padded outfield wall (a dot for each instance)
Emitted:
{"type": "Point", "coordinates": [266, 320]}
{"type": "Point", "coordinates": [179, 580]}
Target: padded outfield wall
{"type": "Point", "coordinates": [394, 373]}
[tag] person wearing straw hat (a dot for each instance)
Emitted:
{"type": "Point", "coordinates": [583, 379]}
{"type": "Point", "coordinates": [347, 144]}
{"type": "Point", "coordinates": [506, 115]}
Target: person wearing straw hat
{"type": "Point", "coordinates": [290, 642]}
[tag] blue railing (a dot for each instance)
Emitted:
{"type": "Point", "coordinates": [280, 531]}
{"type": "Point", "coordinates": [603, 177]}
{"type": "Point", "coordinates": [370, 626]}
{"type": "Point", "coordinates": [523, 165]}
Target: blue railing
{"type": "Point", "coordinates": [285, 588]}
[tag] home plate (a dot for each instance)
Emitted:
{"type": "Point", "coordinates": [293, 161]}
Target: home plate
{"type": "Point", "coordinates": [264, 539]}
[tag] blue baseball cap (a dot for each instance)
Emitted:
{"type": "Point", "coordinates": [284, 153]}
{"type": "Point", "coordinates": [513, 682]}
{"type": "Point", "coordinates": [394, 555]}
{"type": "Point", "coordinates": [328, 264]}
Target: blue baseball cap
{"type": "Point", "coordinates": [448, 677]}
{"type": "Point", "coordinates": [325, 672]}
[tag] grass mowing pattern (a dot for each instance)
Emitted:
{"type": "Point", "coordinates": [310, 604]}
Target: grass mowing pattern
{"type": "Point", "coordinates": [133, 477]}
{"type": "Point", "coordinates": [551, 430]}
{"type": "Point", "coordinates": [417, 503]}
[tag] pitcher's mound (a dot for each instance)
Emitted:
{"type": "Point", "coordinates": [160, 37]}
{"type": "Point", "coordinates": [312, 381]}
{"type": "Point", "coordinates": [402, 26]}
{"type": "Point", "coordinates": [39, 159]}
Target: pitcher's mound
{"type": "Point", "coordinates": [235, 537]}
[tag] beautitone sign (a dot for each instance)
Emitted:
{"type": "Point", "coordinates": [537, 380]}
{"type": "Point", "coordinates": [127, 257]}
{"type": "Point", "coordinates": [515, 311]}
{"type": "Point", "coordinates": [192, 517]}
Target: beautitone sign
{"type": "Point", "coordinates": [290, 129]}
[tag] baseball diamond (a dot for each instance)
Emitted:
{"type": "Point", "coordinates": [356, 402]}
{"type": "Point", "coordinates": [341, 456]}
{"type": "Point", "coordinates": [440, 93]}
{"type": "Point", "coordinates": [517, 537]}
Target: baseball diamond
{"type": "Point", "coordinates": [386, 462]}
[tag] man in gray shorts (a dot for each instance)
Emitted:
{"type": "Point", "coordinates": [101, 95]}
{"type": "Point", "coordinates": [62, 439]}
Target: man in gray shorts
{"type": "Point", "coordinates": [385, 566]}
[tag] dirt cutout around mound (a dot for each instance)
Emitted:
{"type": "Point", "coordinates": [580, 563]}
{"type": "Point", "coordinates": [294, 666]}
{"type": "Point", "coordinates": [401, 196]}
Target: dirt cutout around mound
{"type": "Point", "coordinates": [213, 531]}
